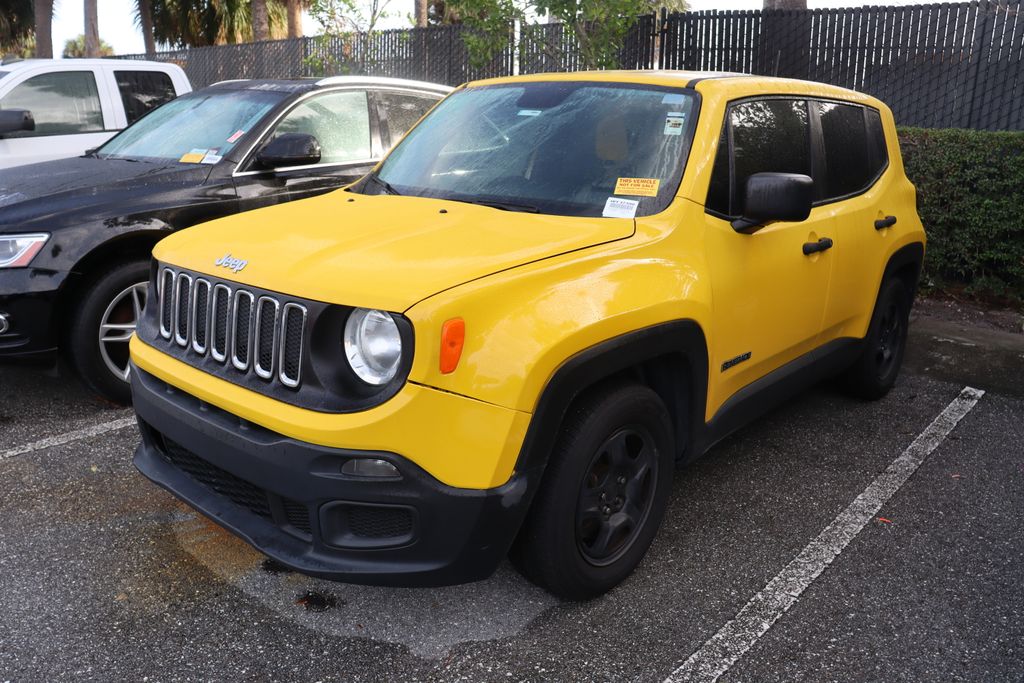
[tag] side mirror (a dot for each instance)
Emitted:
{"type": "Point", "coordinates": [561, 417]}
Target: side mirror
{"type": "Point", "coordinates": [774, 197]}
{"type": "Point", "coordinates": [16, 120]}
{"type": "Point", "coordinates": [290, 149]}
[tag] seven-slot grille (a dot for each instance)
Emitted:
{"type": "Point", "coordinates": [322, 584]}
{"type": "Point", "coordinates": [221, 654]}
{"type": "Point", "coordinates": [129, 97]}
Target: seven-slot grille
{"type": "Point", "coordinates": [233, 325]}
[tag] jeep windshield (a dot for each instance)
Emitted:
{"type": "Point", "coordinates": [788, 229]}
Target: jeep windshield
{"type": "Point", "coordinates": [193, 128]}
{"type": "Point", "coordinates": [577, 148]}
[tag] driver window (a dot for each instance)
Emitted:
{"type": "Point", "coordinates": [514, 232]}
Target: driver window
{"type": "Point", "coordinates": [340, 121]}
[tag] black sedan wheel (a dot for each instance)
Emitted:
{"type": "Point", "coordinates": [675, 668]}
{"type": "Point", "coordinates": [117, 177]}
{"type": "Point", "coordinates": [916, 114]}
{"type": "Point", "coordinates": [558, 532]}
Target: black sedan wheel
{"type": "Point", "coordinates": [603, 494]}
{"type": "Point", "coordinates": [102, 323]}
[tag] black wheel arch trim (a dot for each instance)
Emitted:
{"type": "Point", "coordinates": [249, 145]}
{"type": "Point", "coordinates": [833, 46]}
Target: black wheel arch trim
{"type": "Point", "coordinates": [681, 340]}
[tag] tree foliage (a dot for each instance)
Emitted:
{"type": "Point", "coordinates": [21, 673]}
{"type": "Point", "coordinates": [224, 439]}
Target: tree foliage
{"type": "Point", "coordinates": [17, 25]}
{"type": "Point", "coordinates": [598, 27]}
{"type": "Point", "coordinates": [75, 48]}
{"type": "Point", "coordinates": [195, 23]}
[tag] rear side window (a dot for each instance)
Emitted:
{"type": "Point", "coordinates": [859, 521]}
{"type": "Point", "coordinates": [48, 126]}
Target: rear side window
{"type": "Point", "coordinates": [62, 103]}
{"type": "Point", "coordinates": [767, 136]}
{"type": "Point", "coordinates": [402, 110]}
{"type": "Point", "coordinates": [854, 149]}
{"type": "Point", "coordinates": [142, 91]}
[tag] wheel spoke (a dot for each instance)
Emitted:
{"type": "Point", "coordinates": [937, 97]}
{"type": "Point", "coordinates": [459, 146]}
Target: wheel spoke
{"type": "Point", "coordinates": [635, 485]}
{"type": "Point", "coordinates": [611, 535]}
{"type": "Point", "coordinates": [618, 451]}
{"type": "Point", "coordinates": [138, 301]}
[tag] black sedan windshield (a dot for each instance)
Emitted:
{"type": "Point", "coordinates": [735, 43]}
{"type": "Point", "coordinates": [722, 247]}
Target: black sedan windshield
{"type": "Point", "coordinates": [566, 148]}
{"type": "Point", "coordinates": [196, 128]}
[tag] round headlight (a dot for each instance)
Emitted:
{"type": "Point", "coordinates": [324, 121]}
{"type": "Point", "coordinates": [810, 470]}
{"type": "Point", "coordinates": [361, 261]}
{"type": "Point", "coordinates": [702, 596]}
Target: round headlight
{"type": "Point", "coordinates": [373, 345]}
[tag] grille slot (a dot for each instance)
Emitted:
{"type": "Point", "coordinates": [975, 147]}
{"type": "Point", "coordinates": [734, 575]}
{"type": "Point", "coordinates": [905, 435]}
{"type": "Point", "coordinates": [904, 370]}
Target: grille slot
{"type": "Point", "coordinates": [166, 290]}
{"type": "Point", "coordinates": [258, 333]}
{"type": "Point", "coordinates": [182, 290]}
{"type": "Point", "coordinates": [200, 315]}
{"type": "Point", "coordinates": [266, 337]}
{"type": "Point", "coordinates": [220, 310]}
{"type": "Point", "coordinates": [290, 365]}
{"type": "Point", "coordinates": [241, 329]}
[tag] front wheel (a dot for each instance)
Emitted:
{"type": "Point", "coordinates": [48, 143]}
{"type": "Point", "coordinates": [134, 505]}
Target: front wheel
{"type": "Point", "coordinates": [104, 319]}
{"type": "Point", "coordinates": [874, 372]}
{"type": "Point", "coordinates": [603, 495]}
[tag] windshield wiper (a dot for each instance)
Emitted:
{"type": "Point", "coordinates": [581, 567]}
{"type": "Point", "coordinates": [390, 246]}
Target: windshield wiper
{"type": "Point", "coordinates": [504, 206]}
{"type": "Point", "coordinates": [385, 185]}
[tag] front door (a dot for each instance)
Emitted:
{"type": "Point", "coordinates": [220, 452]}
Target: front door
{"type": "Point", "coordinates": [769, 297]}
{"type": "Point", "coordinates": [349, 140]}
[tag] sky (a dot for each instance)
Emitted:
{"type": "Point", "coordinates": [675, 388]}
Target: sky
{"type": "Point", "coordinates": [117, 18]}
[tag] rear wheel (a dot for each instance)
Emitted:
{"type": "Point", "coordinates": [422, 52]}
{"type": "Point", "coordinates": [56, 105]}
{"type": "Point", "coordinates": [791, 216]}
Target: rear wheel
{"type": "Point", "coordinates": [602, 497]}
{"type": "Point", "coordinates": [104, 319]}
{"type": "Point", "coordinates": [873, 374]}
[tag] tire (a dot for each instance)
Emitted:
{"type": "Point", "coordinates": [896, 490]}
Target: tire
{"type": "Point", "coordinates": [574, 543]}
{"type": "Point", "coordinates": [874, 372]}
{"type": "Point", "coordinates": [108, 298]}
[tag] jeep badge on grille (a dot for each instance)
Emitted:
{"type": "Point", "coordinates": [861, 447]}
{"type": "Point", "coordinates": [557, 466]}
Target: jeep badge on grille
{"type": "Point", "coordinates": [229, 261]}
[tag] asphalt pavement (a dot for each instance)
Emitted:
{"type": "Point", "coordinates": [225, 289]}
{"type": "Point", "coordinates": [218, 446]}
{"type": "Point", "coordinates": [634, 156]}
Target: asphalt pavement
{"type": "Point", "coordinates": [103, 576]}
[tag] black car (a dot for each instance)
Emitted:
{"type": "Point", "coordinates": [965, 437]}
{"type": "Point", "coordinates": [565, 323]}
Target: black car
{"type": "Point", "coordinates": [76, 234]}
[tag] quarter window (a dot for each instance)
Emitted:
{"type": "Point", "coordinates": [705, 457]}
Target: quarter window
{"type": "Point", "coordinates": [768, 136]}
{"type": "Point", "coordinates": [340, 121]}
{"type": "Point", "coordinates": [854, 148]}
{"type": "Point", "coordinates": [402, 110]}
{"type": "Point", "coordinates": [142, 91]}
{"type": "Point", "coordinates": [62, 103]}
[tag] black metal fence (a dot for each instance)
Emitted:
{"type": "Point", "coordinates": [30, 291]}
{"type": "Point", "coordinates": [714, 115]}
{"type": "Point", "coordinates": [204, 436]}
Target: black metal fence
{"type": "Point", "coordinates": [939, 65]}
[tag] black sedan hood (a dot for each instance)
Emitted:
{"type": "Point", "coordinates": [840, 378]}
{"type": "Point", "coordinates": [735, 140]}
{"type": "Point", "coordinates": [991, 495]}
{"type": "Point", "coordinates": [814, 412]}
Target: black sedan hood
{"type": "Point", "coordinates": [72, 190]}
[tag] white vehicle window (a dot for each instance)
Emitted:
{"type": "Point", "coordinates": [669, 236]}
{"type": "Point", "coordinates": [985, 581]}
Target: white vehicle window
{"type": "Point", "coordinates": [62, 103]}
{"type": "Point", "coordinates": [340, 121]}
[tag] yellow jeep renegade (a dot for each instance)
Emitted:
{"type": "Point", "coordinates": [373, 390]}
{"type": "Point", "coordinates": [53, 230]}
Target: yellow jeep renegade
{"type": "Point", "coordinates": [502, 341]}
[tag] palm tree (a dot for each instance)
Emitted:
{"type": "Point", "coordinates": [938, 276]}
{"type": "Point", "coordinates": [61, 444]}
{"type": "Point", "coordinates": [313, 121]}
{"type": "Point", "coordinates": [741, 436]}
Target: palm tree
{"type": "Point", "coordinates": [92, 29]}
{"type": "Point", "coordinates": [295, 18]}
{"type": "Point", "coordinates": [421, 13]}
{"type": "Point", "coordinates": [43, 11]}
{"type": "Point", "coordinates": [144, 18]}
{"type": "Point", "coordinates": [260, 20]}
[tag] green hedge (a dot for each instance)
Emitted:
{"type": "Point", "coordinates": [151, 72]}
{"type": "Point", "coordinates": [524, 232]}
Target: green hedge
{"type": "Point", "coordinates": [970, 194]}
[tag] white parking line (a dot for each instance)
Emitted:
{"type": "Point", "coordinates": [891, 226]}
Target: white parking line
{"type": "Point", "coordinates": [733, 640]}
{"type": "Point", "coordinates": [68, 437]}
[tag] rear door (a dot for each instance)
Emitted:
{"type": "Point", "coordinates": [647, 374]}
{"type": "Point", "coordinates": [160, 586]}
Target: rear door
{"type": "Point", "coordinates": [857, 190]}
{"type": "Point", "coordinates": [72, 110]}
{"type": "Point", "coordinates": [347, 128]}
{"type": "Point", "coordinates": [768, 296]}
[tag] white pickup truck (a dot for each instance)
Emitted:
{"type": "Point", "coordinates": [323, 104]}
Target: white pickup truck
{"type": "Point", "coordinates": [57, 108]}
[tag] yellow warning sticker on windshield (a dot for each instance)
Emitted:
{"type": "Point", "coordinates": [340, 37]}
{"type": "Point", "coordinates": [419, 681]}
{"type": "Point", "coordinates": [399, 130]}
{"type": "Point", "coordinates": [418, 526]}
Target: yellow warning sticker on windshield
{"type": "Point", "coordinates": [193, 157]}
{"type": "Point", "coordinates": [638, 187]}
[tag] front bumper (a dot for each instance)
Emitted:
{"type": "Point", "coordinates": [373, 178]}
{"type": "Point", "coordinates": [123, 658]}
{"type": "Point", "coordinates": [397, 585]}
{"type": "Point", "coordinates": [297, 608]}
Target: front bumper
{"type": "Point", "coordinates": [289, 499]}
{"type": "Point", "coordinates": [28, 303]}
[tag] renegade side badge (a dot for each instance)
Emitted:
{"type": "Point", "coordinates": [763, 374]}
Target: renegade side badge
{"type": "Point", "coordinates": [735, 361]}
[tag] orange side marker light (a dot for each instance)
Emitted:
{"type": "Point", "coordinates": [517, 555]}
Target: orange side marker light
{"type": "Point", "coordinates": [453, 336]}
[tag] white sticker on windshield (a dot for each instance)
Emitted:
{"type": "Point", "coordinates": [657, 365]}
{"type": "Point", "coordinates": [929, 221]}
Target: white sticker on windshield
{"type": "Point", "coordinates": [211, 158]}
{"type": "Point", "coordinates": [674, 122]}
{"type": "Point", "coordinates": [673, 98]}
{"type": "Point", "coordinates": [529, 112]}
{"type": "Point", "coordinates": [617, 207]}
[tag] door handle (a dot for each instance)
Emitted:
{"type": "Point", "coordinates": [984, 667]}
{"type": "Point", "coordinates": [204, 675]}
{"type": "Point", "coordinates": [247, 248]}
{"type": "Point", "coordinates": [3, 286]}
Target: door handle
{"type": "Point", "coordinates": [823, 244]}
{"type": "Point", "coordinates": [883, 223]}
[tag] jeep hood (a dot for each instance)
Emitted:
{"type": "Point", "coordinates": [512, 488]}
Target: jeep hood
{"type": "Point", "coordinates": [380, 251]}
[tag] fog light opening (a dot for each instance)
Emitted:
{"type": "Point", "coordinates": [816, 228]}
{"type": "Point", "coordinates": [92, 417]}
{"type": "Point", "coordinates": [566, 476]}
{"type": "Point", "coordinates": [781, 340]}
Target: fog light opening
{"type": "Point", "coordinates": [374, 468]}
{"type": "Point", "coordinates": [5, 323]}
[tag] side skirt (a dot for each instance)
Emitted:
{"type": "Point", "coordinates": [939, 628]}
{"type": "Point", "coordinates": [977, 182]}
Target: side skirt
{"type": "Point", "coordinates": [767, 393]}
